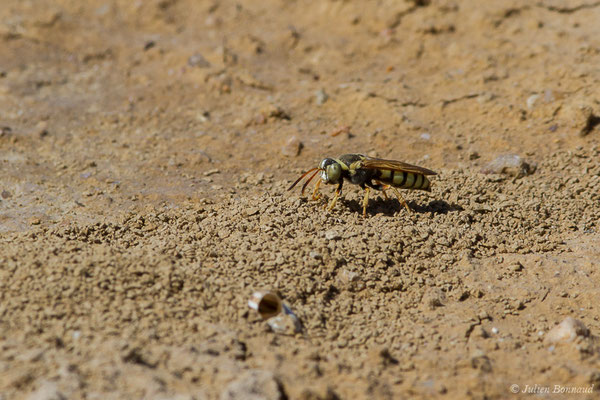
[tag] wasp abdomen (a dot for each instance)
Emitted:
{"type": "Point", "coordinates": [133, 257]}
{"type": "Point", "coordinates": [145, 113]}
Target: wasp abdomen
{"type": "Point", "coordinates": [404, 180]}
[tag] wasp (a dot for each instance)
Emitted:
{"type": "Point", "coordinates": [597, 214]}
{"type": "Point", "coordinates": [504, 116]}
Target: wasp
{"type": "Point", "coordinates": [368, 173]}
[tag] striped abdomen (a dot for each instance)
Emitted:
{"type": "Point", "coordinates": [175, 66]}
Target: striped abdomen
{"type": "Point", "coordinates": [404, 180]}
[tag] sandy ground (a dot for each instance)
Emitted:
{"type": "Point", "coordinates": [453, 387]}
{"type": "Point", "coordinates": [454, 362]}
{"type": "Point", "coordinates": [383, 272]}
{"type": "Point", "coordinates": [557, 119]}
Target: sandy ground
{"type": "Point", "coordinates": [145, 152]}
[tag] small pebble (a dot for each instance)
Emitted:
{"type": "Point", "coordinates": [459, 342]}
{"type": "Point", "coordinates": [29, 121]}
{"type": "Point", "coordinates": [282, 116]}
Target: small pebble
{"type": "Point", "coordinates": [198, 60]}
{"type": "Point", "coordinates": [287, 324]}
{"type": "Point", "coordinates": [5, 130]}
{"type": "Point", "coordinates": [531, 100]}
{"type": "Point", "coordinates": [149, 44]}
{"type": "Point", "coordinates": [340, 130]}
{"type": "Point", "coordinates": [275, 112]}
{"type": "Point", "coordinates": [566, 331]}
{"type": "Point", "coordinates": [332, 235]}
{"type": "Point", "coordinates": [34, 221]}
{"type": "Point", "coordinates": [41, 129]}
{"type": "Point", "coordinates": [510, 164]}
{"type": "Point", "coordinates": [580, 117]}
{"type": "Point", "coordinates": [253, 384]}
{"type": "Point", "coordinates": [292, 148]}
{"type": "Point", "coordinates": [321, 97]}
{"type": "Point", "coordinates": [516, 267]}
{"type": "Point", "coordinates": [47, 390]}
{"type": "Point", "coordinates": [346, 277]}
{"type": "Point", "coordinates": [211, 172]}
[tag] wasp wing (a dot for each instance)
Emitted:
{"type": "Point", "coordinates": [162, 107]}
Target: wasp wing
{"type": "Point", "coordinates": [393, 165]}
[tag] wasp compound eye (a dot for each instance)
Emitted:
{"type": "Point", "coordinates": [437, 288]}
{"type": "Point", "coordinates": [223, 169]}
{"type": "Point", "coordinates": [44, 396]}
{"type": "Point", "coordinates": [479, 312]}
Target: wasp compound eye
{"type": "Point", "coordinates": [334, 171]}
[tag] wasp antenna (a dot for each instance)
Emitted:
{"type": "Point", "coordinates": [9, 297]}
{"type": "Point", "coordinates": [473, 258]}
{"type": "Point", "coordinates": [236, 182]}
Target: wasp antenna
{"type": "Point", "coordinates": [308, 181]}
{"type": "Point", "coordinates": [303, 175]}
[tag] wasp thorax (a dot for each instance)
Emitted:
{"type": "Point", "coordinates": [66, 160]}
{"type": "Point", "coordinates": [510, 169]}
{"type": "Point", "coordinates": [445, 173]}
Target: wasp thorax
{"type": "Point", "coordinates": [331, 170]}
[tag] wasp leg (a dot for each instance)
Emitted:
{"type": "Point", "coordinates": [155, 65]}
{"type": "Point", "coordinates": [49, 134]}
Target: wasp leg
{"type": "Point", "coordinates": [380, 186]}
{"type": "Point", "coordinates": [385, 194]}
{"type": "Point", "coordinates": [338, 191]}
{"type": "Point", "coordinates": [366, 201]}
{"type": "Point", "coordinates": [383, 188]}
{"type": "Point", "coordinates": [316, 195]}
{"type": "Point", "coordinates": [401, 199]}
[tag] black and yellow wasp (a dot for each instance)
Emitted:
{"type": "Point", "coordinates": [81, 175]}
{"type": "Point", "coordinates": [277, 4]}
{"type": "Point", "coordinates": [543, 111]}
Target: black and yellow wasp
{"type": "Point", "coordinates": [368, 173]}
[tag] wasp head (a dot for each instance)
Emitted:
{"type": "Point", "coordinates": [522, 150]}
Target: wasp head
{"type": "Point", "coordinates": [331, 170]}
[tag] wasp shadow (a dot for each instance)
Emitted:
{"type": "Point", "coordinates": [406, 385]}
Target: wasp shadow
{"type": "Point", "coordinates": [435, 207]}
{"type": "Point", "coordinates": [392, 206]}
